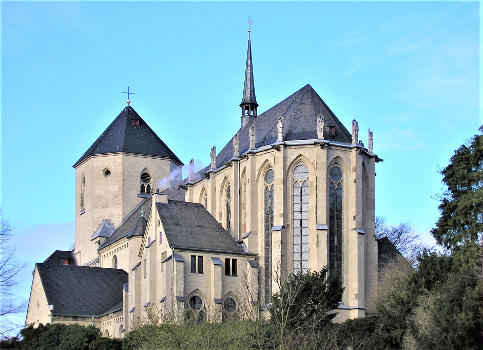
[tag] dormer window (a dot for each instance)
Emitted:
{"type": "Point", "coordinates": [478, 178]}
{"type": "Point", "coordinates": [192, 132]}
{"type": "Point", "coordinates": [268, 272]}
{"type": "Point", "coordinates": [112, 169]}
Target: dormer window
{"type": "Point", "coordinates": [145, 182]}
{"type": "Point", "coordinates": [332, 130]}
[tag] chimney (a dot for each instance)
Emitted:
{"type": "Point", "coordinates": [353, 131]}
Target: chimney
{"type": "Point", "coordinates": [191, 167]}
{"type": "Point", "coordinates": [159, 198]}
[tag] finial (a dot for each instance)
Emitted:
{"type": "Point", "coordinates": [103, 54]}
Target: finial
{"type": "Point", "coordinates": [236, 145]}
{"type": "Point", "coordinates": [280, 129]}
{"type": "Point", "coordinates": [213, 157]}
{"type": "Point", "coordinates": [355, 132]}
{"type": "Point", "coordinates": [371, 141]}
{"type": "Point", "coordinates": [128, 93]}
{"type": "Point", "coordinates": [320, 127]}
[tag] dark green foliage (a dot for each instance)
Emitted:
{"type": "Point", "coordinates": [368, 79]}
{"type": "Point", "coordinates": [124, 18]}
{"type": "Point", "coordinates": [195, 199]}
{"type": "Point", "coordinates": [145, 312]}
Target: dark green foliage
{"type": "Point", "coordinates": [461, 207]}
{"type": "Point", "coordinates": [305, 300]}
{"type": "Point", "coordinates": [65, 337]}
{"type": "Point", "coordinates": [10, 344]}
{"type": "Point", "coordinates": [231, 335]}
{"type": "Point", "coordinates": [450, 317]}
{"type": "Point", "coordinates": [358, 334]}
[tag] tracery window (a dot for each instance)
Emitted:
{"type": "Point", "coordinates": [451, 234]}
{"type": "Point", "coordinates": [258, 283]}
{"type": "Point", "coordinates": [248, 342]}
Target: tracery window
{"type": "Point", "coordinates": [197, 308]}
{"type": "Point", "coordinates": [228, 208]}
{"type": "Point", "coordinates": [335, 221]}
{"type": "Point", "coordinates": [114, 262]}
{"type": "Point", "coordinates": [145, 182]}
{"type": "Point", "coordinates": [300, 219]}
{"type": "Point", "coordinates": [204, 198]}
{"type": "Point", "coordinates": [268, 220]}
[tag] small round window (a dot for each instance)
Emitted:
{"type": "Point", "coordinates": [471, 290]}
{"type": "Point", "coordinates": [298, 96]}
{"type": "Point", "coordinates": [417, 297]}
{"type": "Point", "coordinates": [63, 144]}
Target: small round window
{"type": "Point", "coordinates": [195, 302]}
{"type": "Point", "coordinates": [335, 173]}
{"type": "Point", "coordinates": [107, 172]}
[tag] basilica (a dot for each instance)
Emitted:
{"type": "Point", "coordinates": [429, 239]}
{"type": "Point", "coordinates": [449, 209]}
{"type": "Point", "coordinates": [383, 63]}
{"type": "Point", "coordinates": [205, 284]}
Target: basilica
{"type": "Point", "coordinates": [291, 191]}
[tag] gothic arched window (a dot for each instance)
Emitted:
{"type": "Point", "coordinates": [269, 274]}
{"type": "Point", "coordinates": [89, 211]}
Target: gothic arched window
{"type": "Point", "coordinates": [335, 221]}
{"type": "Point", "coordinates": [228, 208]}
{"type": "Point", "coordinates": [114, 262]}
{"type": "Point", "coordinates": [300, 219]}
{"type": "Point", "coordinates": [268, 220]}
{"type": "Point", "coordinates": [145, 182]}
{"type": "Point", "coordinates": [197, 308]}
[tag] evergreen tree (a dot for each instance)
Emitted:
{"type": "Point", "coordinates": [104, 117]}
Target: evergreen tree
{"type": "Point", "coordinates": [461, 205]}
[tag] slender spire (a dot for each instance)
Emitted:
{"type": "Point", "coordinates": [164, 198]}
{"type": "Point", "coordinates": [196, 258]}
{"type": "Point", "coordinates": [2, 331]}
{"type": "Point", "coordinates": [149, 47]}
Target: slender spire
{"type": "Point", "coordinates": [249, 101]}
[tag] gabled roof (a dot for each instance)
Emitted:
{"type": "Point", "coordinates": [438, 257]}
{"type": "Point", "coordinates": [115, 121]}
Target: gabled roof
{"type": "Point", "coordinates": [124, 135]}
{"type": "Point", "coordinates": [133, 224]}
{"type": "Point", "coordinates": [190, 226]}
{"type": "Point", "coordinates": [81, 290]}
{"type": "Point", "coordinates": [105, 229]}
{"type": "Point", "coordinates": [59, 256]}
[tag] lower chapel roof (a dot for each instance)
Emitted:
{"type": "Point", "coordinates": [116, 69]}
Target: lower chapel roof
{"type": "Point", "coordinates": [81, 290]}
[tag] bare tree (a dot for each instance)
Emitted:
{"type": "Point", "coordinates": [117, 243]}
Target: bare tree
{"type": "Point", "coordinates": [9, 268]}
{"type": "Point", "coordinates": [403, 237]}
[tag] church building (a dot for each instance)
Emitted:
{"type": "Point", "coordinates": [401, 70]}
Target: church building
{"type": "Point", "coordinates": [292, 191]}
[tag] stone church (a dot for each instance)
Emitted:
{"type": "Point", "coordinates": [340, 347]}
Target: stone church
{"type": "Point", "coordinates": [291, 191]}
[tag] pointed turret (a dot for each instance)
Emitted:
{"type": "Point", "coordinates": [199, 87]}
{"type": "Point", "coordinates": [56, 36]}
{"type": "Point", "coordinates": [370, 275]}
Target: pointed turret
{"type": "Point", "coordinates": [249, 101]}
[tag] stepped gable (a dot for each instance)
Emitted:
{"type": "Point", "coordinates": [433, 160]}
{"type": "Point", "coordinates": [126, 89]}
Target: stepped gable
{"type": "Point", "coordinates": [129, 133]}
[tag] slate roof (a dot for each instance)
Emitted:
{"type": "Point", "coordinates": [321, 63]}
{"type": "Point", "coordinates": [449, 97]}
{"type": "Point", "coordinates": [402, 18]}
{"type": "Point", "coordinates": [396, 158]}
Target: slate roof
{"type": "Point", "coordinates": [176, 193]}
{"type": "Point", "coordinates": [249, 85]}
{"type": "Point", "coordinates": [58, 257]}
{"type": "Point", "coordinates": [122, 135]}
{"type": "Point", "coordinates": [190, 226]}
{"type": "Point", "coordinates": [133, 224]}
{"type": "Point", "coordinates": [81, 290]}
{"type": "Point", "coordinates": [299, 112]}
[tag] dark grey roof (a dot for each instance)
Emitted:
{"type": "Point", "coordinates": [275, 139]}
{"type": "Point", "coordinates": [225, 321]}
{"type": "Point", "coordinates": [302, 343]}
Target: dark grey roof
{"type": "Point", "coordinates": [249, 86]}
{"type": "Point", "coordinates": [176, 193]}
{"type": "Point", "coordinates": [299, 112]}
{"type": "Point", "coordinates": [81, 290]}
{"type": "Point", "coordinates": [133, 224]}
{"type": "Point", "coordinates": [124, 136]}
{"type": "Point", "coordinates": [105, 229]}
{"type": "Point", "coordinates": [190, 226]}
{"type": "Point", "coordinates": [58, 257]}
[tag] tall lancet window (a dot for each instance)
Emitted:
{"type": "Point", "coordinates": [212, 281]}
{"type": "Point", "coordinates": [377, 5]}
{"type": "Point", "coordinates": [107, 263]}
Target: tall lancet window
{"type": "Point", "coordinates": [335, 221]}
{"type": "Point", "coordinates": [228, 208]}
{"type": "Point", "coordinates": [268, 216]}
{"type": "Point", "coordinates": [300, 219]}
{"type": "Point", "coordinates": [82, 190]}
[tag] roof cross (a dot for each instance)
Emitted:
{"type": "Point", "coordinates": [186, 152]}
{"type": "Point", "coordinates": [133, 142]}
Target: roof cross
{"type": "Point", "coordinates": [128, 93]}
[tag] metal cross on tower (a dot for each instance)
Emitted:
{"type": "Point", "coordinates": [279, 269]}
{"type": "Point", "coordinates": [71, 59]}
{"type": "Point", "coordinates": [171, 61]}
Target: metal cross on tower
{"type": "Point", "coordinates": [128, 93]}
{"type": "Point", "coordinates": [250, 22]}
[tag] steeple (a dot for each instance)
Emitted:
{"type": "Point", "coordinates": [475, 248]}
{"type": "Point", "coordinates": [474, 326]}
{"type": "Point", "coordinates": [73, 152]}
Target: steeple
{"type": "Point", "coordinates": [249, 101]}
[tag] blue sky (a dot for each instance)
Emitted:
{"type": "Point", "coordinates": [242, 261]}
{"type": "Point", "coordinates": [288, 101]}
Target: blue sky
{"type": "Point", "coordinates": [407, 70]}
